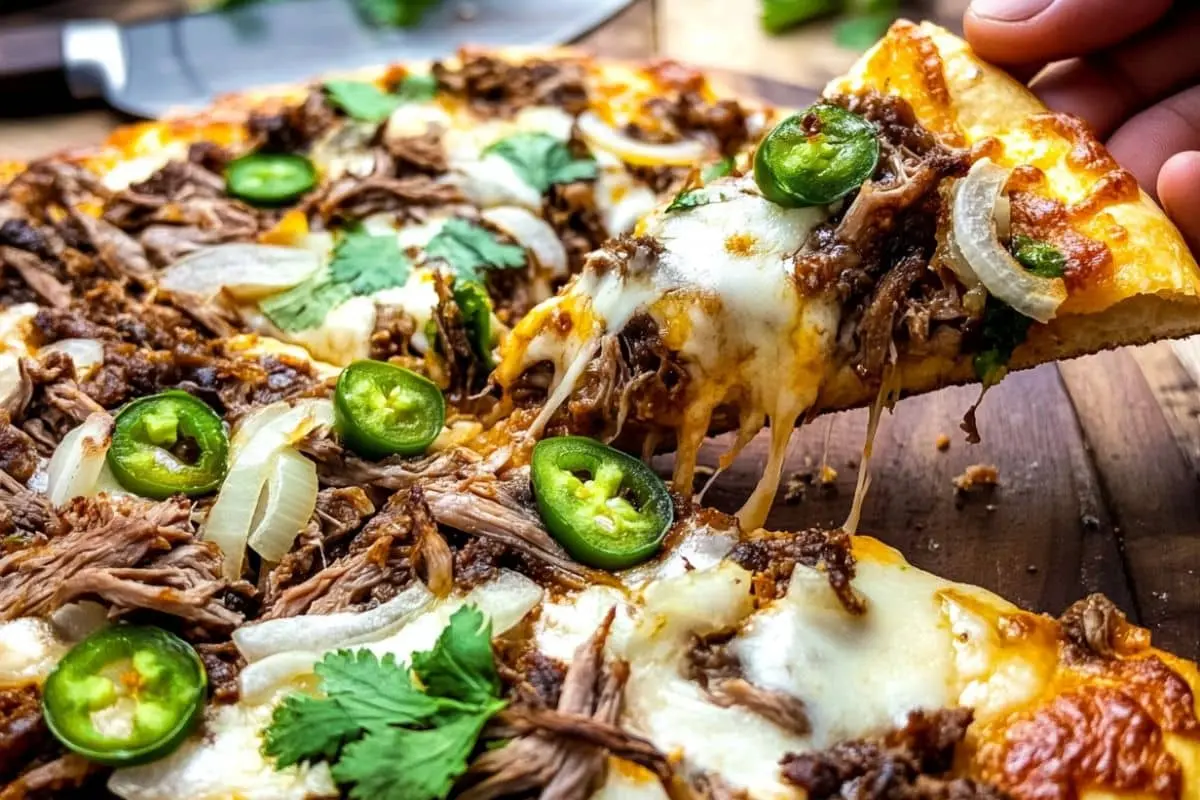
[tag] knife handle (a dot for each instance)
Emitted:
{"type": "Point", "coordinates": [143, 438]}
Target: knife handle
{"type": "Point", "coordinates": [32, 69]}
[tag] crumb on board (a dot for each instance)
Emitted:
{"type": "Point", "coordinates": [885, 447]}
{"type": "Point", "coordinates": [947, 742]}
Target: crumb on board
{"type": "Point", "coordinates": [977, 476]}
{"type": "Point", "coordinates": [942, 442]}
{"type": "Point", "coordinates": [797, 484]}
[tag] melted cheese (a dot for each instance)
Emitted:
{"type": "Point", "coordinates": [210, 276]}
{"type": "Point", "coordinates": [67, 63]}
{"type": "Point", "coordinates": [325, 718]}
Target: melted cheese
{"type": "Point", "coordinates": [721, 290]}
{"type": "Point", "coordinates": [29, 649]}
{"type": "Point", "coordinates": [808, 646]}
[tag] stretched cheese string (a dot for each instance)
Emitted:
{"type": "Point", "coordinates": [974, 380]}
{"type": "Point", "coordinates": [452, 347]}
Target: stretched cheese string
{"type": "Point", "coordinates": [753, 514]}
{"type": "Point", "coordinates": [565, 385]}
{"type": "Point", "coordinates": [887, 386]}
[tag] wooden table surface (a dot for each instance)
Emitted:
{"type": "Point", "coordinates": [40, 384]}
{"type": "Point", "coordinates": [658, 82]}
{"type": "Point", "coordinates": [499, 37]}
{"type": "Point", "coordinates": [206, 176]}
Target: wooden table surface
{"type": "Point", "coordinates": [1098, 457]}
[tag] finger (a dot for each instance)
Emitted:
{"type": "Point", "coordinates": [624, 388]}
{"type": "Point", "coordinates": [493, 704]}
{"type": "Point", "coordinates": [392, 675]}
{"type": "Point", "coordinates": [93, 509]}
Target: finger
{"type": "Point", "coordinates": [1144, 143]}
{"type": "Point", "coordinates": [1108, 87]}
{"type": "Point", "coordinates": [1179, 191]}
{"type": "Point", "coordinates": [1025, 31]}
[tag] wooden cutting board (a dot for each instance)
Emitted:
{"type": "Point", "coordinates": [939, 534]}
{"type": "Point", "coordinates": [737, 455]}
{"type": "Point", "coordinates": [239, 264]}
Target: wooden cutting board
{"type": "Point", "coordinates": [1098, 458]}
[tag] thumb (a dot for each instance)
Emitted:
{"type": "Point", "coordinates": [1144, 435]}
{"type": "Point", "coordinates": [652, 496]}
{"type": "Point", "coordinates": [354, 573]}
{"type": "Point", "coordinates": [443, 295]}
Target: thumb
{"type": "Point", "coordinates": [1037, 31]}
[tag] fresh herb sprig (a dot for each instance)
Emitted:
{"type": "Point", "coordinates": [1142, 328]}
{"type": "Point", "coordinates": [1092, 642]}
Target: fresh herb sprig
{"type": "Point", "coordinates": [362, 264]}
{"type": "Point", "coordinates": [385, 735]}
{"type": "Point", "coordinates": [542, 160]}
{"type": "Point", "coordinates": [468, 248]}
{"type": "Point", "coordinates": [363, 100]}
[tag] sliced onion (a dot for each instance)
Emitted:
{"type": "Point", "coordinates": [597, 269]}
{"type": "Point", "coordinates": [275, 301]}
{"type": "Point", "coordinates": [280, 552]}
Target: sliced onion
{"type": "Point", "coordinates": [602, 136]}
{"type": "Point", "coordinates": [87, 354]}
{"type": "Point", "coordinates": [493, 181]}
{"type": "Point", "coordinates": [232, 515]}
{"type": "Point", "coordinates": [16, 327]}
{"type": "Point", "coordinates": [246, 271]}
{"type": "Point", "coordinates": [259, 681]}
{"type": "Point", "coordinates": [345, 150]}
{"type": "Point", "coordinates": [285, 507]}
{"type": "Point", "coordinates": [533, 233]}
{"type": "Point", "coordinates": [76, 463]}
{"type": "Point", "coordinates": [320, 632]}
{"type": "Point", "coordinates": [30, 647]}
{"type": "Point", "coordinates": [76, 621]}
{"type": "Point", "coordinates": [976, 237]}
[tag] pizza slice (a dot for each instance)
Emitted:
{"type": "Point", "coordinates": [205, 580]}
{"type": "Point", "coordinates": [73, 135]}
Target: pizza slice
{"type": "Point", "coordinates": [765, 666]}
{"type": "Point", "coordinates": [927, 223]}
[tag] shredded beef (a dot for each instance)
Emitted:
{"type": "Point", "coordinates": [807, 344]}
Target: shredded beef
{"type": "Point", "coordinates": [910, 763]}
{"type": "Point", "coordinates": [531, 677]}
{"type": "Point", "coordinates": [688, 113]}
{"type": "Point", "coordinates": [134, 555]}
{"type": "Point", "coordinates": [18, 452]}
{"type": "Point", "coordinates": [222, 663]}
{"type": "Point", "coordinates": [570, 208]}
{"type": "Point", "coordinates": [875, 255]}
{"type": "Point", "coordinates": [423, 153]}
{"type": "Point", "coordinates": [56, 778]}
{"type": "Point", "coordinates": [561, 751]}
{"type": "Point", "coordinates": [773, 557]}
{"type": "Point", "coordinates": [23, 732]}
{"type": "Point", "coordinates": [352, 198]}
{"type": "Point", "coordinates": [37, 275]}
{"type": "Point", "coordinates": [499, 87]}
{"type": "Point", "coordinates": [712, 664]}
{"type": "Point", "coordinates": [295, 128]}
{"type": "Point", "coordinates": [477, 561]}
{"type": "Point", "coordinates": [378, 563]}
{"type": "Point", "coordinates": [394, 329]}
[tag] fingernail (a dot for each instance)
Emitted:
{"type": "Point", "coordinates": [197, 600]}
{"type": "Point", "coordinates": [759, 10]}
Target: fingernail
{"type": "Point", "coordinates": [1009, 10]}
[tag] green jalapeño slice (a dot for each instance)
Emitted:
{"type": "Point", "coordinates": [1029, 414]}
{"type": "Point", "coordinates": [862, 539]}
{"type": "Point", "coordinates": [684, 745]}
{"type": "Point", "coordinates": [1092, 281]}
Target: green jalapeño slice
{"type": "Point", "coordinates": [125, 695]}
{"type": "Point", "coordinates": [607, 508]}
{"type": "Point", "coordinates": [476, 308]}
{"type": "Point", "coordinates": [270, 178]}
{"type": "Point", "coordinates": [815, 157]}
{"type": "Point", "coordinates": [385, 410]}
{"type": "Point", "coordinates": [169, 443]}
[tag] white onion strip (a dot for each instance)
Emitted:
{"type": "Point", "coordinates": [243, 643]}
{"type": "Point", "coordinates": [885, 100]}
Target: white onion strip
{"type": "Point", "coordinates": [246, 271]}
{"type": "Point", "coordinates": [75, 466]}
{"type": "Point", "coordinates": [534, 234]}
{"type": "Point", "coordinates": [600, 135]}
{"type": "Point", "coordinates": [975, 235]}
{"type": "Point", "coordinates": [321, 632]}
{"type": "Point", "coordinates": [285, 508]}
{"type": "Point", "coordinates": [232, 515]}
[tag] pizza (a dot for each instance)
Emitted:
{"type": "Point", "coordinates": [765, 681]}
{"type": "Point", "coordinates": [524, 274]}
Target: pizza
{"type": "Point", "coordinates": [308, 485]}
{"type": "Point", "coordinates": [947, 229]}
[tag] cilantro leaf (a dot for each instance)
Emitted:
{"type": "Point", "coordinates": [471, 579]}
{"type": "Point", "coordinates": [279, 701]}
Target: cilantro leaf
{"type": "Point", "coordinates": [468, 248]}
{"type": "Point", "coordinates": [375, 693]}
{"type": "Point", "coordinates": [1004, 329]}
{"type": "Point", "coordinates": [1040, 258]}
{"type": "Point", "coordinates": [362, 264]}
{"type": "Point", "coordinates": [362, 100]}
{"type": "Point", "coordinates": [460, 666]}
{"type": "Point", "coordinates": [417, 88]}
{"type": "Point", "coordinates": [383, 735]}
{"type": "Point", "coordinates": [541, 160]}
{"type": "Point", "coordinates": [717, 169]}
{"type": "Point", "coordinates": [368, 263]}
{"type": "Point", "coordinates": [307, 728]}
{"type": "Point", "coordinates": [396, 13]}
{"type": "Point", "coordinates": [305, 306]}
{"type": "Point", "coordinates": [399, 764]}
{"type": "Point", "coordinates": [699, 196]}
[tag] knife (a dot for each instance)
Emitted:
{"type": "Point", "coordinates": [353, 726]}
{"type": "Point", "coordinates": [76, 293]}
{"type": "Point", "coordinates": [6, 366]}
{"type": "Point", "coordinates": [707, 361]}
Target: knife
{"type": "Point", "coordinates": [184, 62]}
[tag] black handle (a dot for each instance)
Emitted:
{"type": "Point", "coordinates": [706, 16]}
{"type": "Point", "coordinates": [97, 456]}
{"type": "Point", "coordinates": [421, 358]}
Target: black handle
{"type": "Point", "coordinates": [32, 76]}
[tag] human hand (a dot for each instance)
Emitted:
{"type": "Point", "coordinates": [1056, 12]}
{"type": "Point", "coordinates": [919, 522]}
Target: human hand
{"type": "Point", "coordinates": [1130, 68]}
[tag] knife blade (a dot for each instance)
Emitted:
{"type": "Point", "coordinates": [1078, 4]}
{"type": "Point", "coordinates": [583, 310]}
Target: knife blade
{"type": "Point", "coordinates": [174, 64]}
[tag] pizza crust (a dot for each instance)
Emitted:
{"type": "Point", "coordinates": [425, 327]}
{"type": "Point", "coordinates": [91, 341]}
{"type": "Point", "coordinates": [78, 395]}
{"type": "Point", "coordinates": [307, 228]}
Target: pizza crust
{"type": "Point", "coordinates": [1153, 290]}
